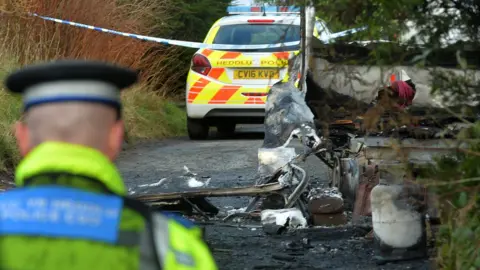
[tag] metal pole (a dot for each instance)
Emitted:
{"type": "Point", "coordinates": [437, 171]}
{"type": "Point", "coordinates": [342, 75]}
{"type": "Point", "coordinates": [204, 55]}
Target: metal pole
{"type": "Point", "coordinates": [303, 44]}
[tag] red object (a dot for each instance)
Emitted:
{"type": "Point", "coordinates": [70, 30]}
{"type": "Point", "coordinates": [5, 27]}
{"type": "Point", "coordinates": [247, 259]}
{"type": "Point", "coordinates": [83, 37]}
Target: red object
{"type": "Point", "coordinates": [201, 64]}
{"type": "Point", "coordinates": [362, 205]}
{"type": "Point", "coordinates": [255, 9]}
{"type": "Point", "coordinates": [392, 78]}
{"type": "Point", "coordinates": [260, 21]}
{"type": "Point", "coordinates": [404, 92]}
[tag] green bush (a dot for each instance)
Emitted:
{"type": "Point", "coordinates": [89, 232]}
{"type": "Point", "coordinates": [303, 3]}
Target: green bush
{"type": "Point", "coordinates": [457, 182]}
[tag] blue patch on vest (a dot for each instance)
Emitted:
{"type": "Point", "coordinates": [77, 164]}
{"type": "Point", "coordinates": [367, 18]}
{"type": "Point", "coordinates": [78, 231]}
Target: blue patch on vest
{"type": "Point", "coordinates": [53, 211]}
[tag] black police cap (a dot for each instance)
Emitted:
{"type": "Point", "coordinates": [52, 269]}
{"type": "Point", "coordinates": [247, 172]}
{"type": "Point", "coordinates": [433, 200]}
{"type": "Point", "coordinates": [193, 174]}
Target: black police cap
{"type": "Point", "coordinates": [71, 80]}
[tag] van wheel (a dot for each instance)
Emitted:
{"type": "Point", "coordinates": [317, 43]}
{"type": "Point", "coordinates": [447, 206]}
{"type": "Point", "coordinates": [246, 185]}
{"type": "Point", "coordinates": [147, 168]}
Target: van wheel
{"type": "Point", "coordinates": [226, 129]}
{"type": "Point", "coordinates": [197, 129]}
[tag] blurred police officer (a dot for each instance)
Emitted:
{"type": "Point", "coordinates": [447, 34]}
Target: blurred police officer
{"type": "Point", "coordinates": [69, 210]}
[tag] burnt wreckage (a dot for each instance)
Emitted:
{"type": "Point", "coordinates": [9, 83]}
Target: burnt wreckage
{"type": "Point", "coordinates": [367, 176]}
{"type": "Point", "coordinates": [374, 152]}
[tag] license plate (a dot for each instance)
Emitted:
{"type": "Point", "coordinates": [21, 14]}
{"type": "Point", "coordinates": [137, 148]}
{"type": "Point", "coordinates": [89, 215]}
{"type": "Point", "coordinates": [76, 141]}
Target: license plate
{"type": "Point", "coordinates": [255, 74]}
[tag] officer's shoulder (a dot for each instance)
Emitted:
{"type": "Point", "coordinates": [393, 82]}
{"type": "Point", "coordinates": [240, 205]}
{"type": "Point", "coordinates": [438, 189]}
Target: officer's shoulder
{"type": "Point", "coordinates": [169, 217]}
{"type": "Point", "coordinates": [159, 217]}
{"type": "Point", "coordinates": [173, 217]}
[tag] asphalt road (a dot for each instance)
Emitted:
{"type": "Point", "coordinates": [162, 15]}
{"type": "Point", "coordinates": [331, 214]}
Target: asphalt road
{"type": "Point", "coordinates": [159, 167]}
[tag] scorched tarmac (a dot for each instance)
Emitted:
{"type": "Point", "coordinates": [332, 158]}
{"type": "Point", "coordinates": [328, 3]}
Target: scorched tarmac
{"type": "Point", "coordinates": [159, 167]}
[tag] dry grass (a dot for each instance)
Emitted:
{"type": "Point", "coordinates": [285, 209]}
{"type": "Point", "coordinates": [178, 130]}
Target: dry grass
{"type": "Point", "coordinates": [25, 40]}
{"type": "Point", "coordinates": [9, 112]}
{"type": "Point", "coordinates": [29, 39]}
{"type": "Point", "coordinates": [148, 116]}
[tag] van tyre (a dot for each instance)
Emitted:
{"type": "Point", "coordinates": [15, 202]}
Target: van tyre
{"type": "Point", "coordinates": [226, 129]}
{"type": "Point", "coordinates": [197, 129]}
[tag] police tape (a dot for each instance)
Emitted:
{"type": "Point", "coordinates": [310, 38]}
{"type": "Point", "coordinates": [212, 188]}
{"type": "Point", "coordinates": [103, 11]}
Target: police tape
{"type": "Point", "coordinates": [171, 42]}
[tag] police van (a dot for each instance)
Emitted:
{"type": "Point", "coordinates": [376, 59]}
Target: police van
{"type": "Point", "coordinates": [229, 87]}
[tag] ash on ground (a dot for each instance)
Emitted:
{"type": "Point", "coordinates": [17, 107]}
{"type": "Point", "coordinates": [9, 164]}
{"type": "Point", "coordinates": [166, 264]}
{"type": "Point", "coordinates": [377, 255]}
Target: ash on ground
{"type": "Point", "coordinates": [249, 247]}
{"type": "Point", "coordinates": [234, 165]}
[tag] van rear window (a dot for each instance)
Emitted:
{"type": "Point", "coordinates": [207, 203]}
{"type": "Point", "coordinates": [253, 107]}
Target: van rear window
{"type": "Point", "coordinates": [257, 34]}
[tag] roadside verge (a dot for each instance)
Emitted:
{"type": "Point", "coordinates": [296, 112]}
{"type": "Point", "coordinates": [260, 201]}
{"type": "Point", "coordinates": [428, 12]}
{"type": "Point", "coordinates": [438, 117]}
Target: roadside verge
{"type": "Point", "coordinates": [146, 114]}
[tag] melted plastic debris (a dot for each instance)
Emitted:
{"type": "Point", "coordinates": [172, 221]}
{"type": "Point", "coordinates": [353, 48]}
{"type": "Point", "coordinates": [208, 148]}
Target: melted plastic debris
{"type": "Point", "coordinates": [194, 183]}
{"type": "Point", "coordinates": [131, 191]}
{"type": "Point", "coordinates": [287, 115]}
{"type": "Point", "coordinates": [291, 217]}
{"type": "Point", "coordinates": [192, 180]}
{"type": "Point", "coordinates": [160, 182]}
{"type": "Point", "coordinates": [272, 159]}
{"type": "Point", "coordinates": [395, 221]}
{"type": "Point", "coordinates": [287, 178]}
{"type": "Point", "coordinates": [235, 211]}
{"type": "Point", "coordinates": [187, 172]}
{"type": "Point", "coordinates": [320, 193]}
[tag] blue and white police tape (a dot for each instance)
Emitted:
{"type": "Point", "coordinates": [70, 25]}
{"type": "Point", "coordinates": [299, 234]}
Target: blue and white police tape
{"type": "Point", "coordinates": [165, 41]}
{"type": "Point", "coordinates": [346, 32]}
{"type": "Point", "coordinates": [197, 45]}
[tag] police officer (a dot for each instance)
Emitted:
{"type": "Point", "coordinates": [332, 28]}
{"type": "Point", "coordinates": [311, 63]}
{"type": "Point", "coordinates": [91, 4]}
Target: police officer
{"type": "Point", "coordinates": [69, 210]}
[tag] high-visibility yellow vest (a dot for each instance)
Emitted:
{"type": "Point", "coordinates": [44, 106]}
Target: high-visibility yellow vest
{"type": "Point", "coordinates": [70, 212]}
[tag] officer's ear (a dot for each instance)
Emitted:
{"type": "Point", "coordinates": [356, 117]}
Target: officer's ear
{"type": "Point", "coordinates": [115, 140]}
{"type": "Point", "coordinates": [22, 135]}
